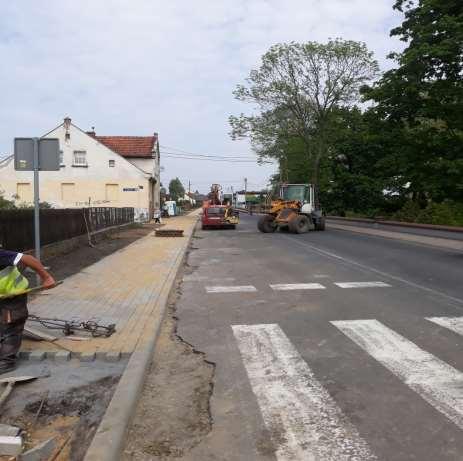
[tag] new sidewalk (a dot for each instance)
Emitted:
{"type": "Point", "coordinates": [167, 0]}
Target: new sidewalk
{"type": "Point", "coordinates": [123, 288]}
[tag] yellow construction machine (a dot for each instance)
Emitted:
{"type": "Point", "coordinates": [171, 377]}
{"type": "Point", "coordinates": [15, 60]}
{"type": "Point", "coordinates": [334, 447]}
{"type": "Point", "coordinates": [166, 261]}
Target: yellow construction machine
{"type": "Point", "coordinates": [296, 210]}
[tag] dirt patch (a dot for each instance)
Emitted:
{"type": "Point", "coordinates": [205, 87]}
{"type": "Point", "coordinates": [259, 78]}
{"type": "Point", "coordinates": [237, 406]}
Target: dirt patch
{"type": "Point", "coordinates": [173, 413]}
{"type": "Point", "coordinates": [69, 264]}
{"type": "Point", "coordinates": [71, 418]}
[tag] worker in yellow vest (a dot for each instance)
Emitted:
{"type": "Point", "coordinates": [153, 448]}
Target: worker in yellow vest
{"type": "Point", "coordinates": [13, 302]}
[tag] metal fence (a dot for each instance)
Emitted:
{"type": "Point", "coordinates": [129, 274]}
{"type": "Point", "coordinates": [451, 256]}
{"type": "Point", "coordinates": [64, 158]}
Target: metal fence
{"type": "Point", "coordinates": [17, 226]}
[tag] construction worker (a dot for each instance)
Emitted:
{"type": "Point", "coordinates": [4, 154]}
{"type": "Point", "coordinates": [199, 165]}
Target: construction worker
{"type": "Point", "coordinates": [13, 304]}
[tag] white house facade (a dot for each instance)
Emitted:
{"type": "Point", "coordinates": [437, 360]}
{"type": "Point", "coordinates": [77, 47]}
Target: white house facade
{"type": "Point", "coordinates": [113, 171]}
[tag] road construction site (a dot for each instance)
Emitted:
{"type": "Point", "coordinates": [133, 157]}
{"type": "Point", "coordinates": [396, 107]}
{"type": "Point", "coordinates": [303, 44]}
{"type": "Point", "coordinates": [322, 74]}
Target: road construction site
{"type": "Point", "coordinates": [232, 344]}
{"type": "Point", "coordinates": [124, 281]}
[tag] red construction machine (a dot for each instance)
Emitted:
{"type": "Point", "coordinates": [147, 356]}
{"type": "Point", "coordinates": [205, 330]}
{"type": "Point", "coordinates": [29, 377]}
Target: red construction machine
{"type": "Point", "coordinates": [216, 213]}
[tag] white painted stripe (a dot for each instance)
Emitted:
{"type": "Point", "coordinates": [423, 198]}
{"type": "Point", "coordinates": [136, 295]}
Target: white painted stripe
{"type": "Point", "coordinates": [361, 284]}
{"type": "Point", "coordinates": [296, 408]}
{"type": "Point", "coordinates": [206, 278]}
{"type": "Point", "coordinates": [452, 323]}
{"type": "Point", "coordinates": [434, 380]}
{"type": "Point", "coordinates": [232, 289]}
{"type": "Point", "coordinates": [297, 286]}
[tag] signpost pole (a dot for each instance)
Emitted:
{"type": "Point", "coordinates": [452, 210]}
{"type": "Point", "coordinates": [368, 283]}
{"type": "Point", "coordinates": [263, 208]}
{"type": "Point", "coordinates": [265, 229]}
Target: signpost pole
{"type": "Point", "coordinates": [36, 199]}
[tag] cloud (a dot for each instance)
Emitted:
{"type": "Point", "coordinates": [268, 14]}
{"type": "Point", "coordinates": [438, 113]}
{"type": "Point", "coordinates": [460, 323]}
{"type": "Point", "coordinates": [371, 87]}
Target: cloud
{"type": "Point", "coordinates": [135, 67]}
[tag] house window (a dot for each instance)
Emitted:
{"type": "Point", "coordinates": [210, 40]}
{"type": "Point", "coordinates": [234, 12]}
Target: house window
{"type": "Point", "coordinates": [61, 158]}
{"type": "Point", "coordinates": [24, 192]}
{"type": "Point", "coordinates": [112, 163]}
{"type": "Point", "coordinates": [68, 191]}
{"type": "Point", "coordinates": [80, 158]}
{"type": "Point", "coordinates": [112, 192]}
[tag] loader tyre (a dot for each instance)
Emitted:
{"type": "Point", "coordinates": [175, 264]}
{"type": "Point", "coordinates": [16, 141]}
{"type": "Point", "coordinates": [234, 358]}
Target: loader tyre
{"type": "Point", "coordinates": [299, 225]}
{"type": "Point", "coordinates": [266, 224]}
{"type": "Point", "coordinates": [320, 224]}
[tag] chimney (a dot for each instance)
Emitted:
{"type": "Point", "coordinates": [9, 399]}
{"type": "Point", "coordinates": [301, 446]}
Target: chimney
{"type": "Point", "coordinates": [92, 132]}
{"type": "Point", "coordinates": [67, 125]}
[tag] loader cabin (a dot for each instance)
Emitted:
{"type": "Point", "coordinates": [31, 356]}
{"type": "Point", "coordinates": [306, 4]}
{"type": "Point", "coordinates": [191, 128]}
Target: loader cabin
{"type": "Point", "coordinates": [300, 192]}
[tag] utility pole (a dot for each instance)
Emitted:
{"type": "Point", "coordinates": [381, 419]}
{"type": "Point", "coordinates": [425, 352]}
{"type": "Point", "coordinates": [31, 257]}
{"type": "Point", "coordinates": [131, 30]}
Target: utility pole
{"type": "Point", "coordinates": [245, 192]}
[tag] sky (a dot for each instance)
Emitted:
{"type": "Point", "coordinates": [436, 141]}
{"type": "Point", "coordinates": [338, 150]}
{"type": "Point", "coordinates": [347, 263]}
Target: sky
{"type": "Point", "coordinates": [134, 67]}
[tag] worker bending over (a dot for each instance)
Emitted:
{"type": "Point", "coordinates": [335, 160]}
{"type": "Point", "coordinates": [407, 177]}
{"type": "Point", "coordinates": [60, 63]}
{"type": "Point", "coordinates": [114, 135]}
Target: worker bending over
{"type": "Point", "coordinates": [13, 303]}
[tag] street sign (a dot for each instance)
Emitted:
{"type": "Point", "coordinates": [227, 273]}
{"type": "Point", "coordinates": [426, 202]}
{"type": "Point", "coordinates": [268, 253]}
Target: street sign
{"type": "Point", "coordinates": [48, 149]}
{"type": "Point", "coordinates": [36, 154]}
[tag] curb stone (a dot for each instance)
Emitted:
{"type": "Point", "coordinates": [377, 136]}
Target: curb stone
{"type": "Point", "coordinates": [109, 438]}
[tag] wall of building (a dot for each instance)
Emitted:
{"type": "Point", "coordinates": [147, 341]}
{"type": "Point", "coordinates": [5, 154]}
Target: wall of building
{"type": "Point", "coordinates": [97, 183]}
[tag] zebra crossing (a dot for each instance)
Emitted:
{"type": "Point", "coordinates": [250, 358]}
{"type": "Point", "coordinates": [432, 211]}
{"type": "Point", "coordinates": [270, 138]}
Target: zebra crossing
{"type": "Point", "coordinates": [293, 287]}
{"type": "Point", "coordinates": [295, 405]}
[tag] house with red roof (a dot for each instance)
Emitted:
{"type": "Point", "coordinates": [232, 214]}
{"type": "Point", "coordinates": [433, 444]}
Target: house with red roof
{"type": "Point", "coordinates": [113, 171]}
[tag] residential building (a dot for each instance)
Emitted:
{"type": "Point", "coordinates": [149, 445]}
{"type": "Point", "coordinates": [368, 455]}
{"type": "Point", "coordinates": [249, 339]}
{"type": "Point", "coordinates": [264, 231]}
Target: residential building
{"type": "Point", "coordinates": [113, 171]}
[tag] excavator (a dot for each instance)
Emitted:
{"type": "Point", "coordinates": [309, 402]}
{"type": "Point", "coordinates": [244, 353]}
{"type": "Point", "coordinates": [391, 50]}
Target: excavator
{"type": "Point", "coordinates": [296, 210]}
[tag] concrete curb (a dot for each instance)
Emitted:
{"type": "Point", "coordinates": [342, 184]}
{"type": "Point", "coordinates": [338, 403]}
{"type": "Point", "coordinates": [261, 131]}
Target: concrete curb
{"type": "Point", "coordinates": [109, 438]}
{"type": "Point", "coordinates": [399, 224]}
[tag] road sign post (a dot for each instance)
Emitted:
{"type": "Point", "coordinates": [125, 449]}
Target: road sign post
{"type": "Point", "coordinates": [36, 198]}
{"type": "Point", "coordinates": [34, 154]}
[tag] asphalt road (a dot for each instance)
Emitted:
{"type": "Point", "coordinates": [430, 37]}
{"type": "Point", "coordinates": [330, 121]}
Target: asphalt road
{"type": "Point", "coordinates": [311, 370]}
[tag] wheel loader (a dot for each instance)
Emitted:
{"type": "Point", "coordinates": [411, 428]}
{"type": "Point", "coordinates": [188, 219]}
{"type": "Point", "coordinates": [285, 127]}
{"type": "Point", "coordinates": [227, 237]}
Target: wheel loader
{"type": "Point", "coordinates": [296, 210]}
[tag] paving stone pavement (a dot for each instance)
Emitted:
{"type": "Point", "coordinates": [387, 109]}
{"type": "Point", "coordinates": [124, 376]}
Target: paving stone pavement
{"type": "Point", "coordinates": [121, 288]}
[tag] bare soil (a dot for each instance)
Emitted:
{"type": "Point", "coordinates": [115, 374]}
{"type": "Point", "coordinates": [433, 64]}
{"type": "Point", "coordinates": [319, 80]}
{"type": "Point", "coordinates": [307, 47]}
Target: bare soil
{"type": "Point", "coordinates": [69, 264]}
{"type": "Point", "coordinates": [173, 413]}
{"type": "Point", "coordinates": [70, 417]}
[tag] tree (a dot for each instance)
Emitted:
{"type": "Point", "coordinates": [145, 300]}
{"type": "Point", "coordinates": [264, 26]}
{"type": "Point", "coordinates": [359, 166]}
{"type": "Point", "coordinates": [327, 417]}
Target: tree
{"type": "Point", "coordinates": [296, 89]}
{"type": "Point", "coordinates": [6, 204]}
{"type": "Point", "coordinates": [176, 189]}
{"type": "Point", "coordinates": [422, 99]}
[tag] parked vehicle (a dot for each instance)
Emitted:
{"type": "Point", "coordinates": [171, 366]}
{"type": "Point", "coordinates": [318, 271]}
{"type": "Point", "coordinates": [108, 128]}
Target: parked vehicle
{"type": "Point", "coordinates": [216, 214]}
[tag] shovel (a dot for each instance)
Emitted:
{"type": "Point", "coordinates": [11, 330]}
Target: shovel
{"type": "Point", "coordinates": [10, 382]}
{"type": "Point", "coordinates": [30, 290]}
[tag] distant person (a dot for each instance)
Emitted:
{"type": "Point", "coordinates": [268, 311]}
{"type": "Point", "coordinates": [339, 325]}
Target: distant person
{"type": "Point", "coordinates": [157, 216]}
{"type": "Point", "coordinates": [13, 304]}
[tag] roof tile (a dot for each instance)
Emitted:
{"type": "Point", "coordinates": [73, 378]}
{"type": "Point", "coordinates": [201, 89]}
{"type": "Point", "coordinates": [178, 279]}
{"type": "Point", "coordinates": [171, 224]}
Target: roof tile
{"type": "Point", "coordinates": [129, 146]}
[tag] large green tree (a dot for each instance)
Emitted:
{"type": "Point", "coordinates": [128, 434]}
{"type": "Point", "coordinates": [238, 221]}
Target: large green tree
{"type": "Point", "coordinates": [176, 189]}
{"type": "Point", "coordinates": [296, 89]}
{"type": "Point", "coordinates": [422, 99]}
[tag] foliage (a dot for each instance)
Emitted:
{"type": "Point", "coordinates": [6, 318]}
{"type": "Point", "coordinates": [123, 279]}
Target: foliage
{"type": "Point", "coordinates": [445, 213]}
{"type": "Point", "coordinates": [296, 89]}
{"type": "Point", "coordinates": [176, 189]}
{"type": "Point", "coordinates": [6, 204]}
{"type": "Point", "coordinates": [422, 99]}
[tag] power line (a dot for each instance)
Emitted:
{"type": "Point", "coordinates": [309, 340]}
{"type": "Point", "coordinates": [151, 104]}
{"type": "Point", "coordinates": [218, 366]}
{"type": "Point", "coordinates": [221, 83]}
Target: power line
{"type": "Point", "coordinates": [195, 154]}
{"type": "Point", "coordinates": [210, 159]}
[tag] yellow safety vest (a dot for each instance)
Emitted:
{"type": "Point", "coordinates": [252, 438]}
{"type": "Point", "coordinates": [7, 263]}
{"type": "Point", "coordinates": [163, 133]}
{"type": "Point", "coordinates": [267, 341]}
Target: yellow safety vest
{"type": "Point", "coordinates": [12, 281]}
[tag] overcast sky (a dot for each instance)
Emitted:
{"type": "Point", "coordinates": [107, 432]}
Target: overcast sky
{"type": "Point", "coordinates": [134, 67]}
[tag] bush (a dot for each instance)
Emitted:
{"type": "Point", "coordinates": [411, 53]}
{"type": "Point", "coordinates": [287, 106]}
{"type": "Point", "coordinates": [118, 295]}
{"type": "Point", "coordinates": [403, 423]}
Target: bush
{"type": "Point", "coordinates": [446, 213]}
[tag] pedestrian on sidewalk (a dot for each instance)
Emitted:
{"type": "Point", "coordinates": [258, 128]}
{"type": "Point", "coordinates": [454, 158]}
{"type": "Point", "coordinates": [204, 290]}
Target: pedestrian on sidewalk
{"type": "Point", "coordinates": [13, 304]}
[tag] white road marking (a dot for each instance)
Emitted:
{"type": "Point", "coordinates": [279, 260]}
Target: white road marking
{"type": "Point", "coordinates": [297, 286]}
{"type": "Point", "coordinates": [361, 284]}
{"type": "Point", "coordinates": [434, 380]}
{"type": "Point", "coordinates": [452, 323]}
{"type": "Point", "coordinates": [297, 410]}
{"type": "Point", "coordinates": [231, 289]}
{"type": "Point", "coordinates": [349, 262]}
{"type": "Point", "coordinates": [206, 278]}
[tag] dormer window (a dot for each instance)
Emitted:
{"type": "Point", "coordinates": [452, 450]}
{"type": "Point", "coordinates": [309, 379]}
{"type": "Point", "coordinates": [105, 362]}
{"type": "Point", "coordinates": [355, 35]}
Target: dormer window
{"type": "Point", "coordinates": [112, 163]}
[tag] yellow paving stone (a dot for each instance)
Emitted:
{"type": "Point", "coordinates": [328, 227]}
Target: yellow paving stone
{"type": "Point", "coordinates": [121, 288]}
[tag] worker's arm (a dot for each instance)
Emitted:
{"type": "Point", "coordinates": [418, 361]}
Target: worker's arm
{"type": "Point", "coordinates": [47, 280]}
